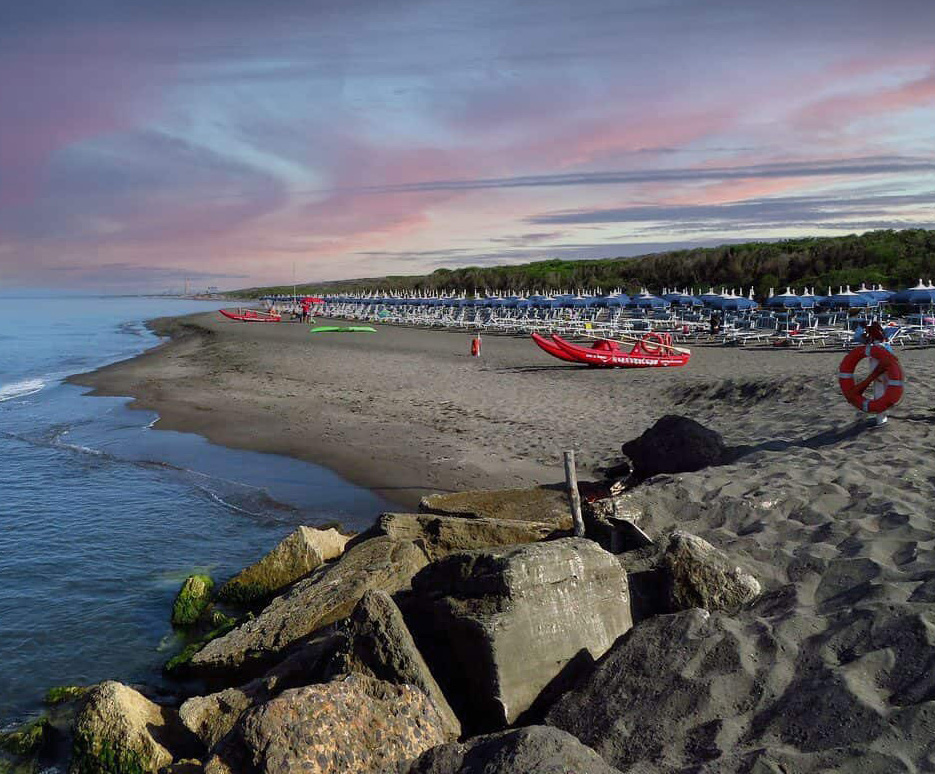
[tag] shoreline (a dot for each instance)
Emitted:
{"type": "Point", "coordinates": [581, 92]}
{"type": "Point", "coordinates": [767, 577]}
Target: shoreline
{"type": "Point", "coordinates": [406, 412]}
{"type": "Point", "coordinates": [179, 380]}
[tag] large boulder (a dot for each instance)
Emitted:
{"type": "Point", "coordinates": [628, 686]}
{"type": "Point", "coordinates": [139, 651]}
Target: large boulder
{"type": "Point", "coordinates": [501, 625]}
{"type": "Point", "coordinates": [192, 600]}
{"type": "Point", "coordinates": [374, 642]}
{"type": "Point", "coordinates": [531, 750]}
{"type": "Point", "coordinates": [443, 535]}
{"type": "Point", "coordinates": [120, 731]}
{"type": "Point", "coordinates": [700, 575]}
{"type": "Point", "coordinates": [326, 597]}
{"type": "Point", "coordinates": [296, 556]}
{"type": "Point", "coordinates": [380, 645]}
{"type": "Point", "coordinates": [211, 717]}
{"type": "Point", "coordinates": [548, 505]}
{"type": "Point", "coordinates": [675, 445]}
{"type": "Point", "coordinates": [354, 724]}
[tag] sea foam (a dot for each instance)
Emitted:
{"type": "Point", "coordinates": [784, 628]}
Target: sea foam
{"type": "Point", "coordinates": [20, 389]}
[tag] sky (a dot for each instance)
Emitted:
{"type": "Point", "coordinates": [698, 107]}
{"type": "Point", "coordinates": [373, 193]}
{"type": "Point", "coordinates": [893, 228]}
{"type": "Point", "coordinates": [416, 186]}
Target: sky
{"type": "Point", "coordinates": [235, 143]}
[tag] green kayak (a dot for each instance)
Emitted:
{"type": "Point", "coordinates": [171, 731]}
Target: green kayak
{"type": "Point", "coordinates": [343, 329]}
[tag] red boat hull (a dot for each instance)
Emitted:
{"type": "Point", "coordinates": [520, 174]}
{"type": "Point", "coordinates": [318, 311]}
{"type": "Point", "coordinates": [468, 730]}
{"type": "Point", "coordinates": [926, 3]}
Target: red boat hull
{"type": "Point", "coordinates": [553, 349]}
{"type": "Point", "coordinates": [250, 315]}
{"type": "Point", "coordinates": [617, 358]}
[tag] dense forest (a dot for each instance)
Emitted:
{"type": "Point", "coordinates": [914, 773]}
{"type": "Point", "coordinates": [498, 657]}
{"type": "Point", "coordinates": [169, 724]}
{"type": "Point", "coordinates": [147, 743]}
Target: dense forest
{"type": "Point", "coordinates": [894, 259]}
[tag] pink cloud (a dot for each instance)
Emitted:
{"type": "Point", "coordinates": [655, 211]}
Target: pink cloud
{"type": "Point", "coordinates": [61, 90]}
{"type": "Point", "coordinates": [834, 113]}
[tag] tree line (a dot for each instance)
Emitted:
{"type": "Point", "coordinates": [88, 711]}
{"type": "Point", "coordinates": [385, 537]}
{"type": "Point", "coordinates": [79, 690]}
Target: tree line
{"type": "Point", "coordinates": [894, 259]}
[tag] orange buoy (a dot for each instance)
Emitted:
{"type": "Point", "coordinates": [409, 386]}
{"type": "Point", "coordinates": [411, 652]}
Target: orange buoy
{"type": "Point", "coordinates": [887, 370]}
{"type": "Point", "coordinates": [475, 346]}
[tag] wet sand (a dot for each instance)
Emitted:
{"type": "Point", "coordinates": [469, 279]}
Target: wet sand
{"type": "Point", "coordinates": [832, 670]}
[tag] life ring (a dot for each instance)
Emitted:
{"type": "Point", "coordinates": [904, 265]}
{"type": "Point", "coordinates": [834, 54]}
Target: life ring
{"type": "Point", "coordinates": [656, 339]}
{"type": "Point", "coordinates": [887, 366]}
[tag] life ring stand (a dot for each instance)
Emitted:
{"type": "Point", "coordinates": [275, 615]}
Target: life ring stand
{"type": "Point", "coordinates": [887, 366]}
{"type": "Point", "coordinates": [653, 343]}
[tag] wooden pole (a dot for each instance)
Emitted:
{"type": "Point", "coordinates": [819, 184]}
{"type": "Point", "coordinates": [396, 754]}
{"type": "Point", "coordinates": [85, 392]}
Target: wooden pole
{"type": "Point", "coordinates": [574, 499]}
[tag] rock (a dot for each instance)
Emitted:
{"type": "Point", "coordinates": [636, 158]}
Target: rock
{"type": "Point", "coordinates": [180, 663]}
{"type": "Point", "coordinates": [28, 739]}
{"type": "Point", "coordinates": [531, 750]}
{"type": "Point", "coordinates": [328, 596]}
{"type": "Point", "coordinates": [60, 694]}
{"type": "Point", "coordinates": [499, 626]}
{"type": "Point", "coordinates": [211, 717]}
{"type": "Point", "coordinates": [540, 504]}
{"type": "Point", "coordinates": [614, 523]}
{"type": "Point", "coordinates": [355, 724]}
{"type": "Point", "coordinates": [380, 645]}
{"type": "Point", "coordinates": [675, 445]}
{"type": "Point", "coordinates": [658, 691]}
{"type": "Point", "coordinates": [700, 575]}
{"type": "Point", "coordinates": [192, 600]}
{"type": "Point", "coordinates": [296, 556]}
{"type": "Point", "coordinates": [443, 535]}
{"type": "Point", "coordinates": [119, 731]}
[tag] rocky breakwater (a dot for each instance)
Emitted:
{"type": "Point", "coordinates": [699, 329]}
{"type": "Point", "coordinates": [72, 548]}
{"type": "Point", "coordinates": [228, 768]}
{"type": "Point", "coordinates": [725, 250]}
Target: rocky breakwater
{"type": "Point", "coordinates": [428, 629]}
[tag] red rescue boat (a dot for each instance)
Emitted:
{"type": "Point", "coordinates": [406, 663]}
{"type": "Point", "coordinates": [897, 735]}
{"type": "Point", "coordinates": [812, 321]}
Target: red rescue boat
{"type": "Point", "coordinates": [556, 351]}
{"type": "Point", "coordinates": [653, 350]}
{"type": "Point", "coordinates": [251, 315]}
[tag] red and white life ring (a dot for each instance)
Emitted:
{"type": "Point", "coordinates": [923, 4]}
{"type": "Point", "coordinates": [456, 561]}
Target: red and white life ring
{"type": "Point", "coordinates": [887, 366]}
{"type": "Point", "coordinates": [653, 343]}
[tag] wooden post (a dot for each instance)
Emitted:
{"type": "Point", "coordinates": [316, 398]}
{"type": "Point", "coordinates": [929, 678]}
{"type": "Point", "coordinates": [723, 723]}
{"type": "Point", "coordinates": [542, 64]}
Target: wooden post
{"type": "Point", "coordinates": [574, 499]}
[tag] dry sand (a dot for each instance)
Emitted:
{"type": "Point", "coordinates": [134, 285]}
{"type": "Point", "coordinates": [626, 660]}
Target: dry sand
{"type": "Point", "coordinates": [834, 515]}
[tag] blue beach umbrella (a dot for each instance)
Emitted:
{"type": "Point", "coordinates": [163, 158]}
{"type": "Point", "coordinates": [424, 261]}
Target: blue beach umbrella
{"type": "Point", "coordinates": [790, 300]}
{"type": "Point", "coordinates": [920, 295]}
{"type": "Point", "coordinates": [737, 304]}
{"type": "Point", "coordinates": [682, 299]}
{"type": "Point", "coordinates": [851, 300]}
{"type": "Point", "coordinates": [646, 300]}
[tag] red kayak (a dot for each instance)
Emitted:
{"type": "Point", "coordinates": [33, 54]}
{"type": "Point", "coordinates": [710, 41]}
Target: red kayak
{"type": "Point", "coordinates": [251, 315]}
{"type": "Point", "coordinates": [654, 350]}
{"type": "Point", "coordinates": [555, 351]}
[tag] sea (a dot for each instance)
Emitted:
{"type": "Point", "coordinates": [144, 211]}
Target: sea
{"type": "Point", "coordinates": [102, 516]}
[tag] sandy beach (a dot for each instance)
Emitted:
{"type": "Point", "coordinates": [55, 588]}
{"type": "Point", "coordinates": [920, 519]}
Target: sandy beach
{"type": "Point", "coordinates": [406, 411]}
{"type": "Point", "coordinates": [830, 667]}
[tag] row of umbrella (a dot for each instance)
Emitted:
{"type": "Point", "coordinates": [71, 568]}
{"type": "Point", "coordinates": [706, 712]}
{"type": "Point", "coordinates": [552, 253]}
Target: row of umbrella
{"type": "Point", "coordinates": [919, 295]}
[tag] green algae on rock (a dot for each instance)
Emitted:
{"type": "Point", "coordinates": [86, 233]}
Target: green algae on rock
{"type": "Point", "coordinates": [177, 664]}
{"type": "Point", "coordinates": [27, 739]}
{"type": "Point", "coordinates": [296, 556]}
{"type": "Point", "coordinates": [192, 600]}
{"type": "Point", "coordinates": [60, 694]}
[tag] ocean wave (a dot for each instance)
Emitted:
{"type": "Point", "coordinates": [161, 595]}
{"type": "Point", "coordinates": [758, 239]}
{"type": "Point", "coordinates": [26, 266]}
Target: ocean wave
{"type": "Point", "coordinates": [20, 389]}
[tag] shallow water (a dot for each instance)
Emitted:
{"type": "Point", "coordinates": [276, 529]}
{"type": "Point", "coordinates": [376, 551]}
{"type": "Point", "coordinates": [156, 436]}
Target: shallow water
{"type": "Point", "coordinates": [102, 517]}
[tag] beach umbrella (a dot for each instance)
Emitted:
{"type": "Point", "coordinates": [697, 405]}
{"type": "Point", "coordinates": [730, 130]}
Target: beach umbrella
{"type": "Point", "coordinates": [618, 299]}
{"type": "Point", "coordinates": [681, 299]}
{"type": "Point", "coordinates": [790, 300]}
{"type": "Point", "coordinates": [878, 292]}
{"type": "Point", "coordinates": [647, 300]}
{"type": "Point", "coordinates": [920, 295]}
{"type": "Point", "coordinates": [851, 300]}
{"type": "Point", "coordinates": [711, 298]}
{"type": "Point", "coordinates": [737, 304]}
